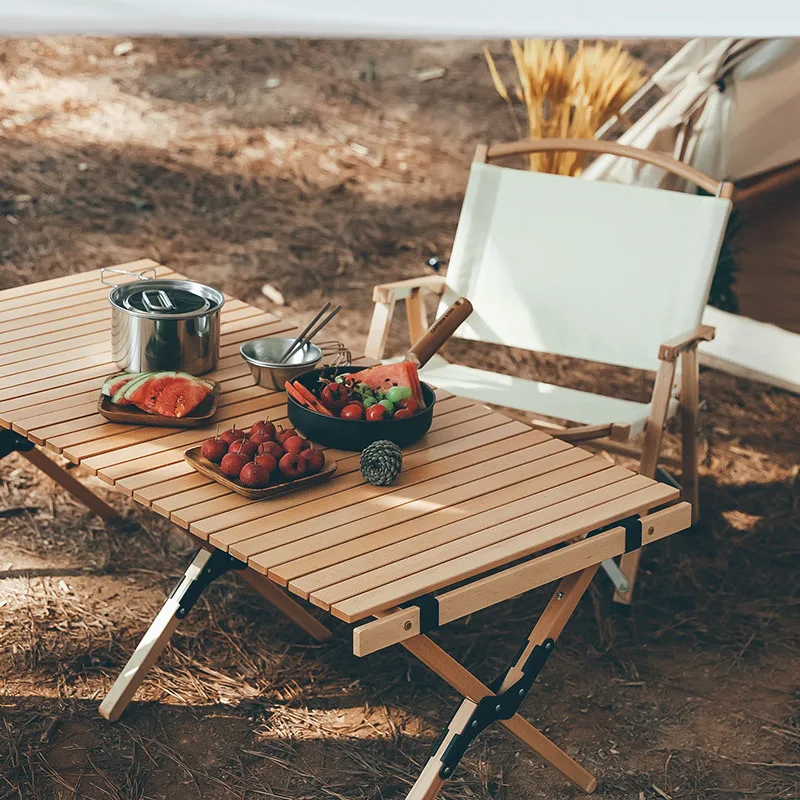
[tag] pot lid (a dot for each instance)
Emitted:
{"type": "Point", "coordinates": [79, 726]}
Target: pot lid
{"type": "Point", "coordinates": [165, 301]}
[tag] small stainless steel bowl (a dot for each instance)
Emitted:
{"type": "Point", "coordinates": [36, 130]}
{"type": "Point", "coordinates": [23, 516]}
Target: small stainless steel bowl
{"type": "Point", "coordinates": [263, 355]}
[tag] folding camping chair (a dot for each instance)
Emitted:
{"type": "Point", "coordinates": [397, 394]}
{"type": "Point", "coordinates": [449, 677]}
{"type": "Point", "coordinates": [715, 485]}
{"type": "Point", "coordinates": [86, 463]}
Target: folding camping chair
{"type": "Point", "coordinates": [605, 272]}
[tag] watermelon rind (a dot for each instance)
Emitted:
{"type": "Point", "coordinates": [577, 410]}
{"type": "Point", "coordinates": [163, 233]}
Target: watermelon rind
{"type": "Point", "coordinates": [204, 381]}
{"type": "Point", "coordinates": [148, 376]}
{"type": "Point", "coordinates": [122, 393]}
{"type": "Point", "coordinates": [109, 382]}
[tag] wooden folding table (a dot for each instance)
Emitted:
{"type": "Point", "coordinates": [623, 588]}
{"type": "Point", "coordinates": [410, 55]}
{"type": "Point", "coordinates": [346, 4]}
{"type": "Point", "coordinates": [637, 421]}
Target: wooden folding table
{"type": "Point", "coordinates": [485, 509]}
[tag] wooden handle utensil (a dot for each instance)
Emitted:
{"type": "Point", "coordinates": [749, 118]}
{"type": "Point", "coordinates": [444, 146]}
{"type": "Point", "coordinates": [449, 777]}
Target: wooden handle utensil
{"type": "Point", "coordinates": [438, 333]}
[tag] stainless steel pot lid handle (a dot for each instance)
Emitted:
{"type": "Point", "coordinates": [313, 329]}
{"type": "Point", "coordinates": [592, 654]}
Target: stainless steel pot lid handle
{"type": "Point", "coordinates": [139, 275]}
{"type": "Point", "coordinates": [165, 303]}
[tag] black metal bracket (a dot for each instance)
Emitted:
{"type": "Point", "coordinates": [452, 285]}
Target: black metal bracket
{"type": "Point", "coordinates": [12, 442]}
{"type": "Point", "coordinates": [218, 564]}
{"type": "Point", "coordinates": [633, 531]}
{"type": "Point", "coordinates": [428, 607]}
{"type": "Point", "coordinates": [494, 707]}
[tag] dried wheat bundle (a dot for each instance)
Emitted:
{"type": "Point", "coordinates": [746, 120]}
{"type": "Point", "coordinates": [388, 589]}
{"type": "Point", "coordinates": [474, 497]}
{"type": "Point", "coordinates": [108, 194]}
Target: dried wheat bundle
{"type": "Point", "coordinates": [566, 96]}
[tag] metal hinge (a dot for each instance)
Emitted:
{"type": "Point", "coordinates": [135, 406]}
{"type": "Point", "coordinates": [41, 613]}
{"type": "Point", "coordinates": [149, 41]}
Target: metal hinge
{"type": "Point", "coordinates": [494, 707]}
{"type": "Point", "coordinates": [218, 563]}
{"type": "Point", "coordinates": [12, 442]}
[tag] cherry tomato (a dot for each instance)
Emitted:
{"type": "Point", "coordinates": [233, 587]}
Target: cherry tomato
{"type": "Point", "coordinates": [376, 412]}
{"type": "Point", "coordinates": [334, 396]}
{"type": "Point", "coordinates": [356, 403]}
{"type": "Point", "coordinates": [352, 411]}
{"type": "Point", "coordinates": [402, 413]}
{"type": "Point", "coordinates": [410, 404]}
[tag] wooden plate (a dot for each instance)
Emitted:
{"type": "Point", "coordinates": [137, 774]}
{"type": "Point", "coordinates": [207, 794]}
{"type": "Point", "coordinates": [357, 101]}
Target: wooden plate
{"type": "Point", "coordinates": [131, 415]}
{"type": "Point", "coordinates": [211, 470]}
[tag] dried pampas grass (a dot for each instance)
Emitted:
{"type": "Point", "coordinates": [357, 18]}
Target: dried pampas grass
{"type": "Point", "coordinates": [566, 96]}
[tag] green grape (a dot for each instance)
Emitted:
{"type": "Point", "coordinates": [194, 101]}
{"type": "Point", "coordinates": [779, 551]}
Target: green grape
{"type": "Point", "coordinates": [398, 393]}
{"type": "Point", "coordinates": [369, 401]}
{"type": "Point", "coordinates": [388, 405]}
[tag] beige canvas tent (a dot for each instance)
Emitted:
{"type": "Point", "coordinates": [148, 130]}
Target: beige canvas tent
{"type": "Point", "coordinates": [731, 108]}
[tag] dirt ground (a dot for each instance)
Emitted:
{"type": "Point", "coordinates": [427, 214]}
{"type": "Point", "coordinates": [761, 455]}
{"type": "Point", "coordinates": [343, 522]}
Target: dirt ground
{"type": "Point", "coordinates": [322, 168]}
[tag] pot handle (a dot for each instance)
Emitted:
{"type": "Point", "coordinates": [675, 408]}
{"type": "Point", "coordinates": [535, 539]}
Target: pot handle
{"type": "Point", "coordinates": [139, 275]}
{"type": "Point", "coordinates": [438, 333]}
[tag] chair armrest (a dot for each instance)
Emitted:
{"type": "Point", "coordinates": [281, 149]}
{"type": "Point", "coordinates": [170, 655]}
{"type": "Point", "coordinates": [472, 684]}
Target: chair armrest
{"type": "Point", "coordinates": [618, 432]}
{"type": "Point", "coordinates": [671, 349]}
{"type": "Point", "coordinates": [399, 290]}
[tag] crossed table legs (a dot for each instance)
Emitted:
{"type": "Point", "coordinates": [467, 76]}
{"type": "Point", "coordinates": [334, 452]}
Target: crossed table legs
{"type": "Point", "coordinates": [481, 705]}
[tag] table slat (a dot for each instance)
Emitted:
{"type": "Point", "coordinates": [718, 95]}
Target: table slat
{"type": "Point", "coordinates": [503, 552]}
{"type": "Point", "coordinates": [32, 289]}
{"type": "Point", "coordinates": [446, 543]}
{"type": "Point", "coordinates": [503, 460]}
{"type": "Point", "coordinates": [333, 565]}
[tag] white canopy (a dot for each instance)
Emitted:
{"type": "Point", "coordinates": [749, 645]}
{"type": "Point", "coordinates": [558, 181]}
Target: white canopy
{"type": "Point", "coordinates": [430, 18]}
{"type": "Point", "coordinates": [731, 109]}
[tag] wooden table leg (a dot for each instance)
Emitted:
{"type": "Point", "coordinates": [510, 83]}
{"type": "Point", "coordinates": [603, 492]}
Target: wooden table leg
{"type": "Point", "coordinates": [72, 485]}
{"type": "Point", "coordinates": [549, 626]}
{"type": "Point", "coordinates": [294, 611]}
{"type": "Point", "coordinates": [205, 566]}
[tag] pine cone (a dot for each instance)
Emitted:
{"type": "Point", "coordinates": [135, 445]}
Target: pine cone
{"type": "Point", "coordinates": [381, 462]}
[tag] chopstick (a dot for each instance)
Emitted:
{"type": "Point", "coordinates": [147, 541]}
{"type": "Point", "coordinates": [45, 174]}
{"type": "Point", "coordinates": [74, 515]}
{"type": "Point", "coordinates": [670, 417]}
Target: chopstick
{"type": "Point", "coordinates": [303, 342]}
{"type": "Point", "coordinates": [291, 348]}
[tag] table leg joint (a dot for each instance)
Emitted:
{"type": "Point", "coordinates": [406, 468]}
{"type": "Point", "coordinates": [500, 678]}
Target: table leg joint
{"type": "Point", "coordinates": [11, 442]}
{"type": "Point", "coordinates": [217, 564]}
{"type": "Point", "coordinates": [501, 706]}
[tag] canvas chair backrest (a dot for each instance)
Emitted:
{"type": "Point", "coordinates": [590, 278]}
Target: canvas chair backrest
{"type": "Point", "coordinates": [598, 271]}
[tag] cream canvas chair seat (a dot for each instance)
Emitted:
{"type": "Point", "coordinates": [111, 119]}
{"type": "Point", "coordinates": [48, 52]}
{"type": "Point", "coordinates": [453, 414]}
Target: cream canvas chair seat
{"type": "Point", "coordinates": [547, 399]}
{"type": "Point", "coordinates": [604, 272]}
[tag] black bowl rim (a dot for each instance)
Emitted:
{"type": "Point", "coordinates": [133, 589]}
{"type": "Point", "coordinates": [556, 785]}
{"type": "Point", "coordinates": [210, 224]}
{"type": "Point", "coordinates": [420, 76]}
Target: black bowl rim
{"type": "Point", "coordinates": [291, 399]}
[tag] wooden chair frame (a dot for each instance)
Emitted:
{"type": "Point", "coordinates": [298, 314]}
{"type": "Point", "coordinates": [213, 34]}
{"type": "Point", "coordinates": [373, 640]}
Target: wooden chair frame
{"type": "Point", "coordinates": [385, 297]}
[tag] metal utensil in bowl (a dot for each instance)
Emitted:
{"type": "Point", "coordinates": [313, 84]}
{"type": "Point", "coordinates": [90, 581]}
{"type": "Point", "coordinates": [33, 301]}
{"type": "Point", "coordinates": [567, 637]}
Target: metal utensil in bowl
{"type": "Point", "coordinates": [356, 434]}
{"type": "Point", "coordinates": [264, 357]}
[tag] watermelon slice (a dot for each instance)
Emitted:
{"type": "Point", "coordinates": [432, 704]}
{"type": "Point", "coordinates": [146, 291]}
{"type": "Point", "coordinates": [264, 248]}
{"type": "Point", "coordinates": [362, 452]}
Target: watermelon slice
{"type": "Point", "coordinates": [113, 384]}
{"type": "Point", "coordinates": [169, 394]}
{"type": "Point", "coordinates": [180, 397]}
{"type": "Point", "coordinates": [384, 376]}
{"type": "Point", "coordinates": [119, 397]}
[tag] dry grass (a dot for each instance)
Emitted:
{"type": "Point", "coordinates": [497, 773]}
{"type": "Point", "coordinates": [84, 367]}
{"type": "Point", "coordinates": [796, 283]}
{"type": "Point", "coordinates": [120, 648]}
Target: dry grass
{"type": "Point", "coordinates": [566, 96]}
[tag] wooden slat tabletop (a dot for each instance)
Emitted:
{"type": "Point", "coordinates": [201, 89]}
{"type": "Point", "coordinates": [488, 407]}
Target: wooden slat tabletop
{"type": "Point", "coordinates": [478, 492]}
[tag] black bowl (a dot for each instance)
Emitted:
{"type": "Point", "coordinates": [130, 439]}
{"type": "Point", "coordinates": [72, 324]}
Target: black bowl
{"type": "Point", "coordinates": [356, 434]}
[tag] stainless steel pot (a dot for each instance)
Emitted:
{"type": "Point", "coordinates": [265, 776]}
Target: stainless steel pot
{"type": "Point", "coordinates": [164, 324]}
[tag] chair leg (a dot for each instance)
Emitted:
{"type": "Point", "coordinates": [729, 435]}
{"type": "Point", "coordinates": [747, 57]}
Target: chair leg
{"type": "Point", "coordinates": [690, 401]}
{"type": "Point", "coordinates": [416, 316]}
{"type": "Point", "coordinates": [653, 434]}
{"type": "Point", "coordinates": [379, 329]}
{"type": "Point", "coordinates": [481, 705]}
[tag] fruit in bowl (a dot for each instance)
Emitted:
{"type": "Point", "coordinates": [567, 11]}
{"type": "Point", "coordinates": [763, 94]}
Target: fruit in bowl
{"type": "Point", "coordinates": [385, 392]}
